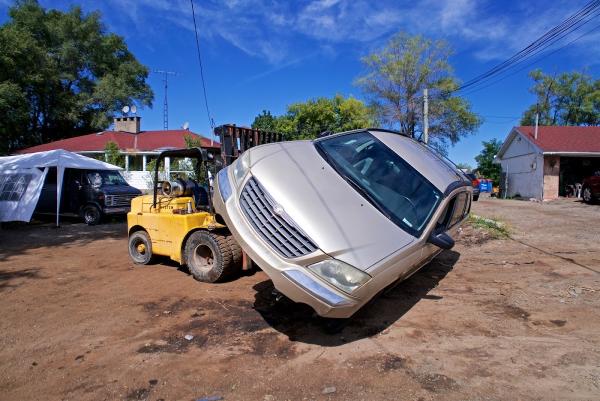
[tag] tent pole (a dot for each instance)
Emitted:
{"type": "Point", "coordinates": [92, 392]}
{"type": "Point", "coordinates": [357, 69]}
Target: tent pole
{"type": "Point", "coordinates": [60, 170]}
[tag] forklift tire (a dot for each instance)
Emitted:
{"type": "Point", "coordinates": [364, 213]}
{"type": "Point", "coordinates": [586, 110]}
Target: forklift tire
{"type": "Point", "coordinates": [140, 247]}
{"type": "Point", "coordinates": [236, 253]}
{"type": "Point", "coordinates": [91, 215]}
{"type": "Point", "coordinates": [208, 256]}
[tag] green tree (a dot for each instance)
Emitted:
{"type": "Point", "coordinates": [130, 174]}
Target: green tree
{"type": "Point", "coordinates": [195, 171]}
{"type": "Point", "coordinates": [394, 82]}
{"type": "Point", "coordinates": [464, 166]}
{"type": "Point", "coordinates": [308, 119]}
{"type": "Point", "coordinates": [61, 75]}
{"type": "Point", "coordinates": [113, 154]}
{"type": "Point", "coordinates": [565, 99]}
{"type": "Point", "coordinates": [485, 160]}
{"type": "Point", "coordinates": [265, 121]}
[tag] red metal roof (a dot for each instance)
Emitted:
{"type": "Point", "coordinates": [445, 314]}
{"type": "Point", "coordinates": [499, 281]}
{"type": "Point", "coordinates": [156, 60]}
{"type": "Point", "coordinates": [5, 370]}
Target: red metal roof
{"type": "Point", "coordinates": [564, 138]}
{"type": "Point", "coordinates": [144, 141]}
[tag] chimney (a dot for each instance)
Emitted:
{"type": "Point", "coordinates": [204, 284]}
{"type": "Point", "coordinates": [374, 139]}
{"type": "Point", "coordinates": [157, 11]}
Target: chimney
{"type": "Point", "coordinates": [127, 124]}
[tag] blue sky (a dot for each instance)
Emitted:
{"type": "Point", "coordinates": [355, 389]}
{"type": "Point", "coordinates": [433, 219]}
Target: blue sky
{"type": "Point", "coordinates": [263, 54]}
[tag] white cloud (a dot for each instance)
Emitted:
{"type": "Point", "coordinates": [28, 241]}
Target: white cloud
{"type": "Point", "coordinates": [278, 31]}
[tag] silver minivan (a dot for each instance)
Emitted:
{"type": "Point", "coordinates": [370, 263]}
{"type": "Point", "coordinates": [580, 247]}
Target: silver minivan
{"type": "Point", "coordinates": [336, 220]}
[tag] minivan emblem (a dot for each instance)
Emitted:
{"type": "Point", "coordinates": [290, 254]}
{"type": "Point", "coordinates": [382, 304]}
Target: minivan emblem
{"type": "Point", "coordinates": [278, 210]}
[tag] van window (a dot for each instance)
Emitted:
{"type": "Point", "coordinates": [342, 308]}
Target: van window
{"type": "Point", "coordinates": [105, 177]}
{"type": "Point", "coordinates": [458, 208]}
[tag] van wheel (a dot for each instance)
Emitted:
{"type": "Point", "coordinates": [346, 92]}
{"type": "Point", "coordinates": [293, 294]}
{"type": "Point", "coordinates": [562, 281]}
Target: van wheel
{"type": "Point", "coordinates": [208, 256]}
{"type": "Point", "coordinates": [140, 247]}
{"type": "Point", "coordinates": [91, 215]}
{"type": "Point", "coordinates": [236, 253]}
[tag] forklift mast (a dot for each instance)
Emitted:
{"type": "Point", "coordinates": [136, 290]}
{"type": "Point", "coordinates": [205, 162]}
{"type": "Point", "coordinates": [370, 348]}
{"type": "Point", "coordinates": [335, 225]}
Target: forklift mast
{"type": "Point", "coordinates": [235, 140]}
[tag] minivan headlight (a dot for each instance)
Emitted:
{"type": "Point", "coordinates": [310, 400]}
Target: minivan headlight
{"type": "Point", "coordinates": [241, 167]}
{"type": "Point", "coordinates": [343, 276]}
{"type": "Point", "coordinates": [224, 185]}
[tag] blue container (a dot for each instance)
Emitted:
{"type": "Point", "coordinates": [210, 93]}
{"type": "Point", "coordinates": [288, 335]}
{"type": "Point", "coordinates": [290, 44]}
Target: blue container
{"type": "Point", "coordinates": [485, 186]}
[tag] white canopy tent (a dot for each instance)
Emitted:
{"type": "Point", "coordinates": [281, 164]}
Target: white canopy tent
{"type": "Point", "coordinates": [22, 178]}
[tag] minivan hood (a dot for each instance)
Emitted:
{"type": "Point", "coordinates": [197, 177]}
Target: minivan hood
{"type": "Point", "coordinates": [337, 218]}
{"type": "Point", "coordinates": [119, 190]}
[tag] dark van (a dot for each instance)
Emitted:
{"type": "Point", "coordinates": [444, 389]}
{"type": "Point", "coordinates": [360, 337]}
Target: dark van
{"type": "Point", "coordinates": [90, 194]}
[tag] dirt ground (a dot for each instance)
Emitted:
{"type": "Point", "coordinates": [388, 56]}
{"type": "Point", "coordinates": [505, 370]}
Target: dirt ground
{"type": "Point", "coordinates": [493, 319]}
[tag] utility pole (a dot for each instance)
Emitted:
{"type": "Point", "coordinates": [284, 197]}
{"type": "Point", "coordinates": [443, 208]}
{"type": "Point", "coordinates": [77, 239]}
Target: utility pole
{"type": "Point", "coordinates": [426, 115]}
{"type": "Point", "coordinates": [165, 102]}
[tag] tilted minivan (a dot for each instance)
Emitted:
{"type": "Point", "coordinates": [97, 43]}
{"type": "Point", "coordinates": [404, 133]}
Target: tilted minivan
{"type": "Point", "coordinates": [336, 220]}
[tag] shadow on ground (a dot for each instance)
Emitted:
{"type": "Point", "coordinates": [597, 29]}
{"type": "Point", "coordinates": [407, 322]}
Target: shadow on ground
{"type": "Point", "coordinates": [10, 279]}
{"type": "Point", "coordinates": [17, 238]}
{"type": "Point", "coordinates": [300, 323]}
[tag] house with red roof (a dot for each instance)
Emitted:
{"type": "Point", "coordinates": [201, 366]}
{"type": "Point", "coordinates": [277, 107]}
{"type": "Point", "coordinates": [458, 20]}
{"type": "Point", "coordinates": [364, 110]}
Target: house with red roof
{"type": "Point", "coordinates": [548, 161]}
{"type": "Point", "coordinates": [137, 146]}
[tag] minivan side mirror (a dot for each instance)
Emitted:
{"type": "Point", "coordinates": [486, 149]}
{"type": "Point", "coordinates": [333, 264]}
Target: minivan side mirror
{"type": "Point", "coordinates": [441, 240]}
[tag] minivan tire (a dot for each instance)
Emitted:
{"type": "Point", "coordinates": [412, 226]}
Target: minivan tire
{"type": "Point", "coordinates": [208, 256]}
{"type": "Point", "coordinates": [91, 215]}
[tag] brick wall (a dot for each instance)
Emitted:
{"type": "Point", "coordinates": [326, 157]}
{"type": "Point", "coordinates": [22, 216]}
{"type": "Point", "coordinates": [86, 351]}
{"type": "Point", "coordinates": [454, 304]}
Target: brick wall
{"type": "Point", "coordinates": [551, 172]}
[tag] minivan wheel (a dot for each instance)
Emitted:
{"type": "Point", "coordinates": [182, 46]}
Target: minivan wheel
{"type": "Point", "coordinates": [208, 256]}
{"type": "Point", "coordinates": [91, 215]}
{"type": "Point", "coordinates": [140, 247]}
{"type": "Point", "coordinates": [587, 195]}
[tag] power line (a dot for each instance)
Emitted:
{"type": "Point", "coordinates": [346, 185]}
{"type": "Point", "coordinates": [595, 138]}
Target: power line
{"type": "Point", "coordinates": [210, 119]}
{"type": "Point", "coordinates": [571, 24]}
{"type": "Point", "coordinates": [548, 38]}
{"type": "Point", "coordinates": [477, 89]}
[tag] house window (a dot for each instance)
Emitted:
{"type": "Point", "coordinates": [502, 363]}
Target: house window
{"type": "Point", "coordinates": [135, 163]}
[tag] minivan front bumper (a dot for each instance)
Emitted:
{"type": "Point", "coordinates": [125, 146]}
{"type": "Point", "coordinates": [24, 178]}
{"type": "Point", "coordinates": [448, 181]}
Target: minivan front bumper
{"type": "Point", "coordinates": [289, 276]}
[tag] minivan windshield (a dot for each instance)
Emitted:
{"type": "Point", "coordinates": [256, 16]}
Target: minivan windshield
{"type": "Point", "coordinates": [382, 177]}
{"type": "Point", "coordinates": [105, 177]}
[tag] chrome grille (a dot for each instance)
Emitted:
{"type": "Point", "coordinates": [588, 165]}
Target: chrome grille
{"type": "Point", "coordinates": [118, 200]}
{"type": "Point", "coordinates": [278, 230]}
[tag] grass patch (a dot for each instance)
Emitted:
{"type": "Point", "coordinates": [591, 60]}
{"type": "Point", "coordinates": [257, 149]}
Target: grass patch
{"type": "Point", "coordinates": [496, 228]}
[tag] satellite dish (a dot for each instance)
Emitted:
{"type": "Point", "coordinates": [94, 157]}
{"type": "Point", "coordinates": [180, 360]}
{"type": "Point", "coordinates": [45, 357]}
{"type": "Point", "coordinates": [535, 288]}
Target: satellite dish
{"type": "Point", "coordinates": [186, 125]}
{"type": "Point", "coordinates": [125, 109]}
{"type": "Point", "coordinates": [133, 109]}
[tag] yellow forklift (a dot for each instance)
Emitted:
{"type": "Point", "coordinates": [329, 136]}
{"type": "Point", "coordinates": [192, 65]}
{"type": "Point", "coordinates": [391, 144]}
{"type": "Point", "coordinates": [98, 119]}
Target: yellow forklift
{"type": "Point", "coordinates": [178, 221]}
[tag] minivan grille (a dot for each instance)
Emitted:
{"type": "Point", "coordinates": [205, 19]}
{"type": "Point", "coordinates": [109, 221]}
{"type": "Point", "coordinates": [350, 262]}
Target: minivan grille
{"type": "Point", "coordinates": [278, 230]}
{"type": "Point", "coordinates": [118, 200]}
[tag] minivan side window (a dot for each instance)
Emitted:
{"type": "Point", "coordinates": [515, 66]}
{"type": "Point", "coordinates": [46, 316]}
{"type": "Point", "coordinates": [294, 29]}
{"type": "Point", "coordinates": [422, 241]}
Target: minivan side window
{"type": "Point", "coordinates": [458, 208]}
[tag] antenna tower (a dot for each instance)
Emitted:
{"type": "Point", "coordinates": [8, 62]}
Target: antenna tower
{"type": "Point", "coordinates": [165, 75]}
